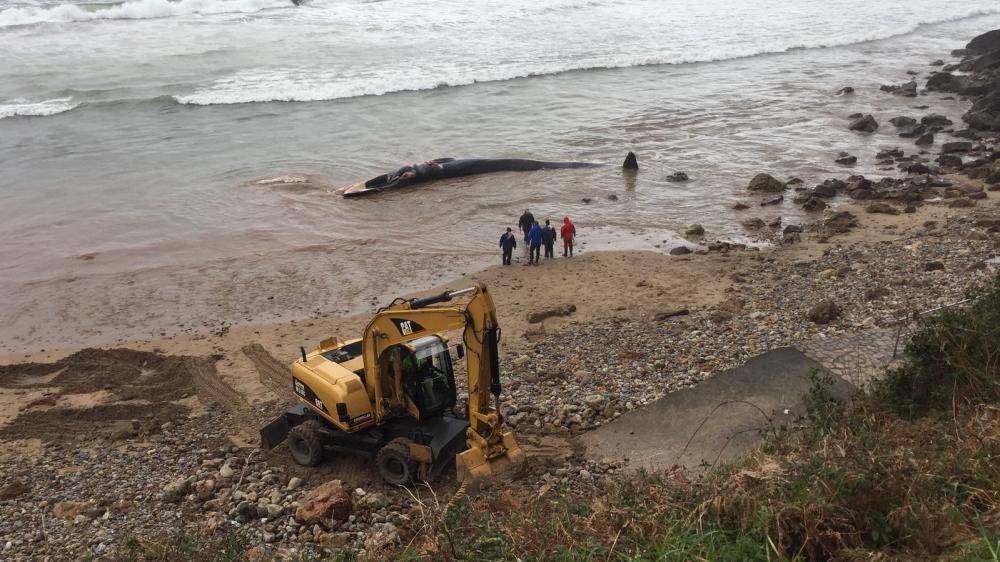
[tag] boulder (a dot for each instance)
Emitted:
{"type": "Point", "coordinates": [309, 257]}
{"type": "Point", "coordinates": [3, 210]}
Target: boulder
{"type": "Point", "coordinates": [846, 159]}
{"type": "Point", "coordinates": [841, 222]}
{"type": "Point", "coordinates": [740, 207]}
{"type": "Point", "coordinates": [865, 124]}
{"type": "Point", "coordinates": [754, 224]}
{"type": "Point", "coordinates": [766, 183]}
{"type": "Point", "coordinates": [677, 177]}
{"type": "Point", "coordinates": [918, 168]}
{"type": "Point", "coordinates": [942, 82]}
{"type": "Point", "coordinates": [957, 146]}
{"type": "Point", "coordinates": [937, 62]}
{"type": "Point", "coordinates": [912, 131]}
{"type": "Point", "coordinates": [908, 90]}
{"type": "Point", "coordinates": [935, 120]}
{"type": "Point", "coordinates": [985, 43]}
{"type": "Point", "coordinates": [903, 121]}
{"type": "Point", "coordinates": [889, 154]}
{"type": "Point", "coordinates": [680, 251]}
{"type": "Point", "coordinates": [813, 205]}
{"type": "Point", "coordinates": [561, 310]}
{"type": "Point", "coordinates": [695, 230]}
{"type": "Point", "coordinates": [328, 500]}
{"type": "Point", "coordinates": [824, 312]}
{"type": "Point", "coordinates": [792, 228]}
{"type": "Point", "coordinates": [845, 90]}
{"type": "Point", "coordinates": [925, 139]}
{"type": "Point", "coordinates": [950, 161]}
{"type": "Point", "coordinates": [882, 208]}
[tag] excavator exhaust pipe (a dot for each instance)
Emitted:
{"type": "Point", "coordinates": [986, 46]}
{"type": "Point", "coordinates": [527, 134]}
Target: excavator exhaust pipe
{"type": "Point", "coordinates": [475, 468]}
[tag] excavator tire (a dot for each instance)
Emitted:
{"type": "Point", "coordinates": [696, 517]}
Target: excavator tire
{"type": "Point", "coordinates": [394, 464]}
{"type": "Point", "coordinates": [306, 443]}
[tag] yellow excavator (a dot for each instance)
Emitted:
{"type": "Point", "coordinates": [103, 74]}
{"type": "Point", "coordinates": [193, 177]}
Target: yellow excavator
{"type": "Point", "coordinates": [390, 394]}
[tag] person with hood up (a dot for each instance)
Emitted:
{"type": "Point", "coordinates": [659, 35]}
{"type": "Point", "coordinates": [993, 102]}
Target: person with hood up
{"type": "Point", "coordinates": [507, 243]}
{"type": "Point", "coordinates": [568, 233]}
{"type": "Point", "coordinates": [535, 236]}
{"type": "Point", "coordinates": [525, 222]}
{"type": "Point", "coordinates": [548, 239]}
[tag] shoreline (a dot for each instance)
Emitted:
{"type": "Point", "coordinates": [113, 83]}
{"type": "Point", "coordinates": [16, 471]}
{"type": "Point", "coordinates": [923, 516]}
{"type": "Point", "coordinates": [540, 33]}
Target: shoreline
{"type": "Point", "coordinates": [192, 404]}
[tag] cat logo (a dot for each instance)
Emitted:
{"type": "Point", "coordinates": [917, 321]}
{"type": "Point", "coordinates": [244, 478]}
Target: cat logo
{"type": "Point", "coordinates": [407, 327]}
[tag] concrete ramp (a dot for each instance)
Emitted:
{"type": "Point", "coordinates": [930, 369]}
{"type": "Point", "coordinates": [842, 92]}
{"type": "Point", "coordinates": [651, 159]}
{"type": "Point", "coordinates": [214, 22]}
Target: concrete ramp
{"type": "Point", "coordinates": [718, 420]}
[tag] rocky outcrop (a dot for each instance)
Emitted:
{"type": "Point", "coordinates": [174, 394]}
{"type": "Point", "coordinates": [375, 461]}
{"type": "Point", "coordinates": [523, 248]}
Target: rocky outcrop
{"type": "Point", "coordinates": [982, 62]}
{"type": "Point", "coordinates": [766, 183]}
{"type": "Point", "coordinates": [864, 124]}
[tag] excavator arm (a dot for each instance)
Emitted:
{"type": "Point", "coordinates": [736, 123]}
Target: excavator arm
{"type": "Point", "coordinates": [490, 451]}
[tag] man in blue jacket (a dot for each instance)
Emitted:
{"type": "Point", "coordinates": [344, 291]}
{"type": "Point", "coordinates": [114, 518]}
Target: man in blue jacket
{"type": "Point", "coordinates": [535, 236]}
{"type": "Point", "coordinates": [507, 243]}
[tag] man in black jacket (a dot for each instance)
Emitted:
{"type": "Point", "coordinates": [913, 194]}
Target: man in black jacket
{"type": "Point", "coordinates": [525, 223]}
{"type": "Point", "coordinates": [548, 239]}
{"type": "Point", "coordinates": [507, 243]}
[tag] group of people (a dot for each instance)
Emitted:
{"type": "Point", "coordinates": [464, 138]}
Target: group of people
{"type": "Point", "coordinates": [536, 236]}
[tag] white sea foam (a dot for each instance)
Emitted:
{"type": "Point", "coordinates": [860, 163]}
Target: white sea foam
{"type": "Point", "coordinates": [21, 107]}
{"type": "Point", "coordinates": [137, 10]}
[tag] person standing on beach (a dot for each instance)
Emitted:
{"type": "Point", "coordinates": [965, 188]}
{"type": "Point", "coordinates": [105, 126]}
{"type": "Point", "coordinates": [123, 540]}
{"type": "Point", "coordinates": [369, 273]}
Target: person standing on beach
{"type": "Point", "coordinates": [527, 219]}
{"type": "Point", "coordinates": [549, 239]}
{"type": "Point", "coordinates": [535, 244]}
{"type": "Point", "coordinates": [568, 233]}
{"type": "Point", "coordinates": [507, 243]}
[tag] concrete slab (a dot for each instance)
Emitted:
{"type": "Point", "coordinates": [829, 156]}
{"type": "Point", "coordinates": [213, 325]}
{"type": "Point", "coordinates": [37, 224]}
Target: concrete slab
{"type": "Point", "coordinates": [720, 419]}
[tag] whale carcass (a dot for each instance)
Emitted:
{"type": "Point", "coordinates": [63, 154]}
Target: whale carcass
{"type": "Point", "coordinates": [441, 168]}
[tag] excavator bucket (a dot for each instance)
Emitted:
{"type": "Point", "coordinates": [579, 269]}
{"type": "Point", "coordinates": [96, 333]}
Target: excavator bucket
{"type": "Point", "coordinates": [475, 467]}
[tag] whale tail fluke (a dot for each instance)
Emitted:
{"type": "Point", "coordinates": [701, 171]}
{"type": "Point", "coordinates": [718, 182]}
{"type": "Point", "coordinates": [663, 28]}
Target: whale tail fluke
{"type": "Point", "coordinates": [631, 163]}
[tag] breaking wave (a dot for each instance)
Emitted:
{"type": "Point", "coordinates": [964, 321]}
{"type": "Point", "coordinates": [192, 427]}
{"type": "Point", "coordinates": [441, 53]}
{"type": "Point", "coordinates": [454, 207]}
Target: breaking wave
{"type": "Point", "coordinates": [137, 10]}
{"type": "Point", "coordinates": [24, 108]}
{"type": "Point", "coordinates": [263, 85]}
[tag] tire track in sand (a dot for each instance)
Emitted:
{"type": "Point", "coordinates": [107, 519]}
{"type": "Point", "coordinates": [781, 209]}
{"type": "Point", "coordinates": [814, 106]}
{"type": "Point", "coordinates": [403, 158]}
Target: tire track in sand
{"type": "Point", "coordinates": [273, 373]}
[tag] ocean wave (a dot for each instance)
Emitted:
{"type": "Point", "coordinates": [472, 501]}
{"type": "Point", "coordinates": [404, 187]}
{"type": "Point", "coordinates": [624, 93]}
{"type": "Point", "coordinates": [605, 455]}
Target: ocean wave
{"type": "Point", "coordinates": [137, 10]}
{"type": "Point", "coordinates": [24, 108]}
{"type": "Point", "coordinates": [305, 85]}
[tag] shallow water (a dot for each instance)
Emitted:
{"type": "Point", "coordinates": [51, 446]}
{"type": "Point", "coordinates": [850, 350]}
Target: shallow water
{"type": "Point", "coordinates": [138, 209]}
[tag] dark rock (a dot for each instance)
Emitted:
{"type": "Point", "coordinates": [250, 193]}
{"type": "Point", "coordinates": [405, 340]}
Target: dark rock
{"type": "Point", "coordinates": [561, 310]}
{"type": "Point", "coordinates": [848, 160]}
{"type": "Point", "coordinates": [977, 195]}
{"type": "Point", "coordinates": [695, 230]}
{"type": "Point", "coordinates": [680, 251]}
{"type": "Point", "coordinates": [824, 312]}
{"type": "Point", "coordinates": [949, 161]}
{"type": "Point", "coordinates": [631, 162]}
{"type": "Point", "coordinates": [925, 139]}
{"type": "Point", "coordinates": [935, 120]}
{"type": "Point", "coordinates": [937, 62]}
{"type": "Point", "coordinates": [942, 82]}
{"type": "Point", "coordinates": [790, 238]}
{"type": "Point", "coordinates": [903, 121]}
{"type": "Point", "coordinates": [670, 314]}
{"type": "Point", "coordinates": [772, 201]}
{"type": "Point", "coordinates": [889, 153]}
{"type": "Point", "coordinates": [586, 200]}
{"type": "Point", "coordinates": [794, 181]}
{"type": "Point", "coordinates": [918, 168]}
{"type": "Point", "coordinates": [677, 177]}
{"type": "Point", "coordinates": [845, 90]}
{"type": "Point", "coordinates": [856, 116]}
{"type": "Point", "coordinates": [814, 204]}
{"type": "Point", "coordinates": [933, 266]}
{"type": "Point", "coordinates": [909, 209]}
{"type": "Point", "coordinates": [866, 124]}
{"type": "Point", "coordinates": [908, 90]}
{"type": "Point", "coordinates": [985, 43]}
{"type": "Point", "coordinates": [754, 224]}
{"type": "Point", "coordinates": [882, 208]}
{"type": "Point", "coordinates": [740, 207]}
{"type": "Point", "coordinates": [912, 131]}
{"type": "Point", "coordinates": [767, 183]}
{"type": "Point", "coordinates": [791, 228]}
{"type": "Point", "coordinates": [841, 222]}
{"type": "Point", "coordinates": [957, 146]}
{"type": "Point", "coordinates": [776, 223]}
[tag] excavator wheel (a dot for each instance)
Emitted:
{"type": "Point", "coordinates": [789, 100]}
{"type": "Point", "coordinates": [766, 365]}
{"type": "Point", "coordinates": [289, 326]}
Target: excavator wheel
{"type": "Point", "coordinates": [306, 444]}
{"type": "Point", "coordinates": [394, 464]}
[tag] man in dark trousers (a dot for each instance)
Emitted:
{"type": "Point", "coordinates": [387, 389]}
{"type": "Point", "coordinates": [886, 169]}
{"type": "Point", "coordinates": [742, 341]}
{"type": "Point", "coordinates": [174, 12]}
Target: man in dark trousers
{"type": "Point", "coordinates": [525, 223]}
{"type": "Point", "coordinates": [548, 239]}
{"type": "Point", "coordinates": [568, 233]}
{"type": "Point", "coordinates": [507, 243]}
{"type": "Point", "coordinates": [535, 244]}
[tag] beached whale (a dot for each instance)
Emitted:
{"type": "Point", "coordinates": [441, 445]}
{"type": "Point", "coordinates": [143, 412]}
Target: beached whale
{"type": "Point", "coordinates": [441, 168]}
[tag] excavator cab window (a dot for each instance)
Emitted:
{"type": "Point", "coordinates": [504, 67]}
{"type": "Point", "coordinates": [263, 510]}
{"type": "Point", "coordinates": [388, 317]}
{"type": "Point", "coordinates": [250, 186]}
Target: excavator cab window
{"type": "Point", "coordinates": [427, 376]}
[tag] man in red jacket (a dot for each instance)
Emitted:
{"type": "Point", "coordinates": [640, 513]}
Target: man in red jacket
{"type": "Point", "coordinates": [567, 233]}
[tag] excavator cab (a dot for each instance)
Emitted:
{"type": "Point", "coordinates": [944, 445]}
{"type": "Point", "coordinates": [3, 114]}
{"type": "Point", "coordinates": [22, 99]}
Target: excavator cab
{"type": "Point", "coordinates": [427, 376]}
